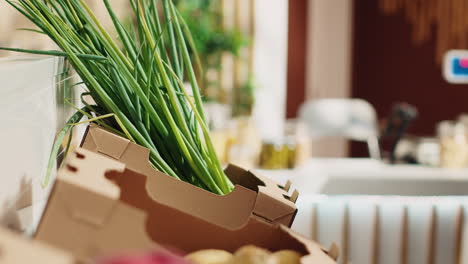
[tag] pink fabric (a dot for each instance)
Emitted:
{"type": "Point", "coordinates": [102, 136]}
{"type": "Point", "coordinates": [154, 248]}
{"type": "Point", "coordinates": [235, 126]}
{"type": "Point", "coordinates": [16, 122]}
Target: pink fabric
{"type": "Point", "coordinates": [154, 258]}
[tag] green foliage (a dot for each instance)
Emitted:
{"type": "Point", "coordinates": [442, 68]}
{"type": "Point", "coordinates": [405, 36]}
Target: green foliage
{"type": "Point", "coordinates": [244, 99]}
{"type": "Point", "coordinates": [205, 23]}
{"type": "Point", "coordinates": [210, 39]}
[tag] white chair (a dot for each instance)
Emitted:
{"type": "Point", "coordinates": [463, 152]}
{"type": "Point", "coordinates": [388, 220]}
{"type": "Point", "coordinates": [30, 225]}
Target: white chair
{"type": "Point", "coordinates": [353, 119]}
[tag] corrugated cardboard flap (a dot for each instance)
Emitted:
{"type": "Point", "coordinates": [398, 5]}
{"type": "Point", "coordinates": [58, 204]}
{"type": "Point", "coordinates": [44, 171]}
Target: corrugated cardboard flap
{"type": "Point", "coordinates": [101, 141]}
{"type": "Point", "coordinates": [273, 202]}
{"type": "Point", "coordinates": [88, 173]}
{"type": "Point", "coordinates": [315, 250]}
{"type": "Point", "coordinates": [16, 249]}
{"type": "Point", "coordinates": [82, 195]}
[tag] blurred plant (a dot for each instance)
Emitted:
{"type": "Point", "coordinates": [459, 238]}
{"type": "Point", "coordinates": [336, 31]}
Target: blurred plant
{"type": "Point", "coordinates": [205, 20]}
{"type": "Point", "coordinates": [244, 98]}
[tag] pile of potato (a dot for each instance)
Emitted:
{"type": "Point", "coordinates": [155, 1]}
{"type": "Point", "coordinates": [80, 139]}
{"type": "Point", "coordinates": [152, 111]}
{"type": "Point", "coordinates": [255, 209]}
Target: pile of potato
{"type": "Point", "coordinates": [245, 255]}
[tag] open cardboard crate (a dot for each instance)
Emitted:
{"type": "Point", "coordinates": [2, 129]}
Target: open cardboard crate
{"type": "Point", "coordinates": [108, 198]}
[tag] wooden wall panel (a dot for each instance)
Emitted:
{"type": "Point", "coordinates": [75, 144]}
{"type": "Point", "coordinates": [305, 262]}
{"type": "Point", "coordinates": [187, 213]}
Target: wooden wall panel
{"type": "Point", "coordinates": [388, 68]}
{"type": "Point", "coordinates": [297, 49]}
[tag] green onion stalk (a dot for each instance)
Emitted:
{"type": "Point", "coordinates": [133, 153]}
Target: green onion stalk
{"type": "Point", "coordinates": [138, 78]}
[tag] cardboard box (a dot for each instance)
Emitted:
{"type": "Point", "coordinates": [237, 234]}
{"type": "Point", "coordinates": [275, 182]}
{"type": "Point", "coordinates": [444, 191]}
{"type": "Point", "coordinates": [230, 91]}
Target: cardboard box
{"type": "Point", "coordinates": [112, 201]}
{"type": "Point", "coordinates": [15, 249]}
{"type": "Point", "coordinates": [253, 194]}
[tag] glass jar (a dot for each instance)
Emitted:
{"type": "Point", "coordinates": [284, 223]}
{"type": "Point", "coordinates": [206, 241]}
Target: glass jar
{"type": "Point", "coordinates": [453, 144]}
{"type": "Point", "coordinates": [428, 152]}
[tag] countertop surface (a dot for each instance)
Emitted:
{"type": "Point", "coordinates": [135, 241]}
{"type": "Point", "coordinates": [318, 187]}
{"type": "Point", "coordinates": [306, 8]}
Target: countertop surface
{"type": "Point", "coordinates": [366, 176]}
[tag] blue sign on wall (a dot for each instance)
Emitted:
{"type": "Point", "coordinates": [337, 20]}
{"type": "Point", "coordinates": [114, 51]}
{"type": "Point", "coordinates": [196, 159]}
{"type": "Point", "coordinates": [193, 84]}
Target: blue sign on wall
{"type": "Point", "coordinates": [456, 66]}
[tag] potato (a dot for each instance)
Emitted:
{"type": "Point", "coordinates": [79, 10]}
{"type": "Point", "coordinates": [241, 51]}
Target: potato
{"type": "Point", "coordinates": [209, 256]}
{"type": "Point", "coordinates": [245, 255]}
{"type": "Point", "coordinates": [251, 255]}
{"type": "Point", "coordinates": [286, 257]}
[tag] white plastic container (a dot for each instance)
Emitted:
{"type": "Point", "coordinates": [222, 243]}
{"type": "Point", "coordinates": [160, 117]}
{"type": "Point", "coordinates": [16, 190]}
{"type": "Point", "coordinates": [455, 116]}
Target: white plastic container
{"type": "Point", "coordinates": [28, 123]}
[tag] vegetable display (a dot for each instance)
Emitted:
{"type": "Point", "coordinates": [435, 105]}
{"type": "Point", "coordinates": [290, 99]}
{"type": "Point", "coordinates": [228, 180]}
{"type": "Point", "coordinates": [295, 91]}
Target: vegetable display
{"type": "Point", "coordinates": [244, 255]}
{"type": "Point", "coordinates": [136, 81]}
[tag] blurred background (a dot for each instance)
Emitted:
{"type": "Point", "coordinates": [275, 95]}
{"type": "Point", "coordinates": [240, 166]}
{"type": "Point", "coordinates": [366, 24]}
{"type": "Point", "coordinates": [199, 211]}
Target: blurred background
{"type": "Point", "coordinates": [264, 60]}
{"type": "Point", "coordinates": [360, 103]}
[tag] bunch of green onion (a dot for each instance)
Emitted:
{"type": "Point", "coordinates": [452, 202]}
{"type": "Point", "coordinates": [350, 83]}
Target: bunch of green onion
{"type": "Point", "coordinates": [136, 80]}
